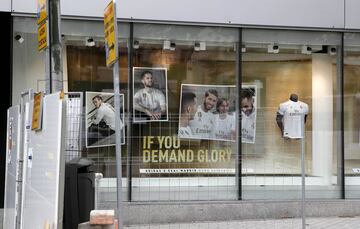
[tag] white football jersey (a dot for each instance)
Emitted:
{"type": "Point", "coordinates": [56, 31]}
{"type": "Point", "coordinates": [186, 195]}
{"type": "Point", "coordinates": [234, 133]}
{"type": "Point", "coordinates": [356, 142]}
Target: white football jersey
{"type": "Point", "coordinates": [223, 128]}
{"type": "Point", "coordinates": [185, 132]}
{"type": "Point", "coordinates": [106, 113]}
{"type": "Point", "coordinates": [202, 124]}
{"type": "Point", "coordinates": [152, 99]}
{"type": "Point", "coordinates": [248, 127]}
{"type": "Point", "coordinates": [293, 118]}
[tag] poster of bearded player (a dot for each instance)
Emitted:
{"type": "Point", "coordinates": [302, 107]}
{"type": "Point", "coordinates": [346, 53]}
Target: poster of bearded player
{"type": "Point", "coordinates": [207, 112]}
{"type": "Point", "coordinates": [248, 113]}
{"type": "Point", "coordinates": [150, 94]}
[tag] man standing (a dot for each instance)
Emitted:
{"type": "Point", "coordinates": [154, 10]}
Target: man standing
{"type": "Point", "coordinates": [188, 109]}
{"type": "Point", "coordinates": [149, 100]}
{"type": "Point", "coordinates": [203, 122]}
{"type": "Point", "coordinates": [248, 116]}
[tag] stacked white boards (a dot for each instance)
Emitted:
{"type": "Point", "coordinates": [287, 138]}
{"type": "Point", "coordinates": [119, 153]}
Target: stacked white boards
{"type": "Point", "coordinates": [37, 201]}
{"type": "Point", "coordinates": [43, 168]}
{"type": "Point", "coordinates": [12, 164]}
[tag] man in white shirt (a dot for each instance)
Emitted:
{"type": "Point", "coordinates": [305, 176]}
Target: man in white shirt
{"type": "Point", "coordinates": [203, 122]}
{"type": "Point", "coordinates": [248, 116]}
{"type": "Point", "coordinates": [149, 100]}
{"type": "Point", "coordinates": [102, 122]}
{"type": "Point", "coordinates": [291, 117]}
{"type": "Point", "coordinates": [188, 109]}
{"type": "Point", "coordinates": [224, 126]}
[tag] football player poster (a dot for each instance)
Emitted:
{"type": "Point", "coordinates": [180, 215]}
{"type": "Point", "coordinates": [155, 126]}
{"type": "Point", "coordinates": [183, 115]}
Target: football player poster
{"type": "Point", "coordinates": [248, 113]}
{"type": "Point", "coordinates": [150, 100]}
{"type": "Point", "coordinates": [207, 112]}
{"type": "Point", "coordinates": [100, 119]}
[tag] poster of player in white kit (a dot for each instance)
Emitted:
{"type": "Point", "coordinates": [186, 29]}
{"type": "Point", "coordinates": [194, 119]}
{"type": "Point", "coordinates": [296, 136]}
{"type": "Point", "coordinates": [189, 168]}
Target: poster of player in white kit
{"type": "Point", "coordinates": [248, 113]}
{"type": "Point", "coordinates": [150, 94]}
{"type": "Point", "coordinates": [207, 112]}
{"type": "Point", "coordinates": [100, 119]}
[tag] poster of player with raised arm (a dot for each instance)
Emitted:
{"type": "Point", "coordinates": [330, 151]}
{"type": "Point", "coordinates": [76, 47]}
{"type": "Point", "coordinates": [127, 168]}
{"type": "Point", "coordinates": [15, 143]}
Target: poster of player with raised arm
{"type": "Point", "coordinates": [248, 113]}
{"type": "Point", "coordinates": [150, 94]}
{"type": "Point", "coordinates": [100, 119]}
{"type": "Point", "coordinates": [207, 112]}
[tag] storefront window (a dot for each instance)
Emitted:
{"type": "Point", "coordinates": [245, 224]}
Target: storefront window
{"type": "Point", "coordinates": [86, 72]}
{"type": "Point", "coordinates": [352, 114]}
{"type": "Point", "coordinates": [180, 114]}
{"type": "Point", "coordinates": [176, 153]}
{"type": "Point", "coordinates": [290, 76]}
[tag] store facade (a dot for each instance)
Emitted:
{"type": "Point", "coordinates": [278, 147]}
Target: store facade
{"type": "Point", "coordinates": [195, 152]}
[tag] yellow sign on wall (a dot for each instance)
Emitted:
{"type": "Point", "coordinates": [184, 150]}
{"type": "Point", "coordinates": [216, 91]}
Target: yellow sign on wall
{"type": "Point", "coordinates": [110, 38]}
{"type": "Point", "coordinates": [42, 24]}
{"type": "Point", "coordinates": [37, 111]}
{"type": "Point", "coordinates": [41, 11]}
{"type": "Point", "coordinates": [42, 36]}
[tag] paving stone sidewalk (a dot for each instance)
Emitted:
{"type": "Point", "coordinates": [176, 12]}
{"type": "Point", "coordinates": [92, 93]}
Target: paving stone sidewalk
{"type": "Point", "coordinates": [311, 223]}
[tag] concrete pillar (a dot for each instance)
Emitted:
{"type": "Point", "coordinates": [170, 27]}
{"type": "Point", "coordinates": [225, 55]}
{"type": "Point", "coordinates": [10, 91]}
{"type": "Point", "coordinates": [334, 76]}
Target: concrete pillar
{"type": "Point", "coordinates": [322, 117]}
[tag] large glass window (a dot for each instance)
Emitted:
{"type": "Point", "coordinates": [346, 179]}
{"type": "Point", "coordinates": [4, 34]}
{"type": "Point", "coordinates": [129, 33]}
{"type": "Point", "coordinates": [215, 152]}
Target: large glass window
{"type": "Point", "coordinates": [180, 107]}
{"type": "Point", "coordinates": [178, 156]}
{"type": "Point", "coordinates": [352, 114]}
{"type": "Point", "coordinates": [86, 71]}
{"type": "Point", "coordinates": [288, 74]}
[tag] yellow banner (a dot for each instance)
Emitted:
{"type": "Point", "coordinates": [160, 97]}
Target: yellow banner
{"type": "Point", "coordinates": [41, 11]}
{"type": "Point", "coordinates": [42, 36]}
{"type": "Point", "coordinates": [37, 112]}
{"type": "Point", "coordinates": [110, 38]}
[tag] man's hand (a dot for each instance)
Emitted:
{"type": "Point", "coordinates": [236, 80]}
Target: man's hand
{"type": "Point", "coordinates": [156, 115]}
{"type": "Point", "coordinates": [153, 115]}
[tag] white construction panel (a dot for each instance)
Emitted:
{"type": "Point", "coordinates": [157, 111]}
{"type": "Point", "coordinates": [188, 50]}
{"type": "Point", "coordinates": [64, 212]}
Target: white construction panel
{"type": "Point", "coordinates": [44, 169]}
{"type": "Point", "coordinates": [12, 161]}
{"type": "Point", "coordinates": [300, 13]}
{"type": "Point", "coordinates": [352, 18]}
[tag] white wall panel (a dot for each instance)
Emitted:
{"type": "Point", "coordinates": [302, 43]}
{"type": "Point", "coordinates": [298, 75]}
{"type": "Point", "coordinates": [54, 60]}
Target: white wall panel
{"type": "Point", "coordinates": [352, 16]}
{"type": "Point", "coordinates": [302, 13]}
{"type": "Point", "coordinates": [5, 5]}
{"type": "Point", "coordinates": [24, 6]}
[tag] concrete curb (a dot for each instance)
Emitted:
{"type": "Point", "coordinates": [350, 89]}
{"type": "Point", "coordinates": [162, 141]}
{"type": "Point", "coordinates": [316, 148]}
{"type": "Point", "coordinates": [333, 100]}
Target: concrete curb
{"type": "Point", "coordinates": [184, 212]}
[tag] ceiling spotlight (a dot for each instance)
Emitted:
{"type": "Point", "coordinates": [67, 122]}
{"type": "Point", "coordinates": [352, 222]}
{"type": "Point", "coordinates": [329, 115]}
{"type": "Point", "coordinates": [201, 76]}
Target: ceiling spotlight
{"type": "Point", "coordinates": [306, 50]}
{"type": "Point", "coordinates": [172, 46]}
{"type": "Point", "coordinates": [243, 48]}
{"type": "Point", "coordinates": [272, 48]}
{"type": "Point", "coordinates": [19, 38]}
{"type": "Point", "coordinates": [332, 50]}
{"type": "Point", "coordinates": [136, 44]}
{"type": "Point", "coordinates": [166, 45]}
{"type": "Point", "coordinates": [197, 46]}
{"type": "Point", "coordinates": [200, 46]}
{"type": "Point", "coordinates": [89, 41]}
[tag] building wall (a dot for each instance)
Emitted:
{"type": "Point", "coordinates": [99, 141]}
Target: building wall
{"type": "Point", "coordinates": [5, 5]}
{"type": "Point", "coordinates": [299, 13]}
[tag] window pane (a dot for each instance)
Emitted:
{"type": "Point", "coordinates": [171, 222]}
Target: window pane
{"type": "Point", "coordinates": [352, 114]}
{"type": "Point", "coordinates": [183, 161]}
{"type": "Point", "coordinates": [276, 65]}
